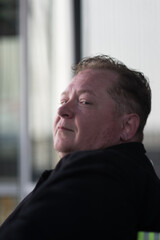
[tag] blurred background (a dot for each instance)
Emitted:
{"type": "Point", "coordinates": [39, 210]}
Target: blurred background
{"type": "Point", "coordinates": [39, 42]}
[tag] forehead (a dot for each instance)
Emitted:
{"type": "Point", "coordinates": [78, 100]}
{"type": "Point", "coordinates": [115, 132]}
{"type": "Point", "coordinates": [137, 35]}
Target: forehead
{"type": "Point", "coordinates": [92, 80]}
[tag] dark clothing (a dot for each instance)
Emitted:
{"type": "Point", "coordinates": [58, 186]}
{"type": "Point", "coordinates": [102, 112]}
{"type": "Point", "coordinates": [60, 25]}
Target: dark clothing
{"type": "Point", "coordinates": [102, 194]}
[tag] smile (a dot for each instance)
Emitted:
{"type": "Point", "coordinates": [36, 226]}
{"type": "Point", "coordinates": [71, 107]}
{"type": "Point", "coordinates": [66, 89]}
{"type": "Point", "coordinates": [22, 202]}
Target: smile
{"type": "Point", "coordinates": [65, 129]}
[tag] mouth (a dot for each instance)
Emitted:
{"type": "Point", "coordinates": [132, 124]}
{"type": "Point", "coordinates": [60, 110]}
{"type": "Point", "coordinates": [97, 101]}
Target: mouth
{"type": "Point", "coordinates": [65, 129]}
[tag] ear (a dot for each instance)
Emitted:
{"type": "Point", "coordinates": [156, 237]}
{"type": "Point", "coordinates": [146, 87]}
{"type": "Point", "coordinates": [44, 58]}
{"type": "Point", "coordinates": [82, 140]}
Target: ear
{"type": "Point", "coordinates": [130, 126]}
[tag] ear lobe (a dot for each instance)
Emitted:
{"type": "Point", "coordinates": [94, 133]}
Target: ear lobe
{"type": "Point", "coordinates": [130, 126]}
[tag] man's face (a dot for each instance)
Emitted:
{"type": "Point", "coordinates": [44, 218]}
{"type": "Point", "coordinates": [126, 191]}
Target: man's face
{"type": "Point", "coordinates": [87, 118]}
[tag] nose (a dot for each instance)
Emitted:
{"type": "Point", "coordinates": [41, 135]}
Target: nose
{"type": "Point", "coordinates": [66, 110]}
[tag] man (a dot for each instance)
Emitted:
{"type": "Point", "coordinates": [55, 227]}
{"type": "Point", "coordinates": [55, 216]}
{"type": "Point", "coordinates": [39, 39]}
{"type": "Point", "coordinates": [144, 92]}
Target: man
{"type": "Point", "coordinates": [104, 186]}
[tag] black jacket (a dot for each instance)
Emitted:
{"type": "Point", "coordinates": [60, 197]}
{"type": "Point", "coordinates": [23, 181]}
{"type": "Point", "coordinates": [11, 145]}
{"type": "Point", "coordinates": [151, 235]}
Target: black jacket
{"type": "Point", "coordinates": [102, 194]}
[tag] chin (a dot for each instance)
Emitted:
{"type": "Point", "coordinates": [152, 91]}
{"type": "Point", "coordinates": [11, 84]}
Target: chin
{"type": "Point", "coordinates": [63, 148]}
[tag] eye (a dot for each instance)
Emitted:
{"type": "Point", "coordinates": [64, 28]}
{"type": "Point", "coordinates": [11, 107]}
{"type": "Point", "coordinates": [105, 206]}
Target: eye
{"type": "Point", "coordinates": [63, 101]}
{"type": "Point", "coordinates": [84, 102]}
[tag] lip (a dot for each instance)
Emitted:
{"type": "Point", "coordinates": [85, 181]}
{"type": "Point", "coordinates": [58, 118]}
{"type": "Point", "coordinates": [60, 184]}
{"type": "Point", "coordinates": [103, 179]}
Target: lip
{"type": "Point", "coordinates": [65, 128]}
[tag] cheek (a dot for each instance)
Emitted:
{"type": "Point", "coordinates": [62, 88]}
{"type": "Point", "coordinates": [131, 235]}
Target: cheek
{"type": "Point", "coordinates": [56, 120]}
{"type": "Point", "coordinates": [86, 122]}
{"type": "Point", "coordinates": [103, 127]}
{"type": "Point", "coordinates": [89, 127]}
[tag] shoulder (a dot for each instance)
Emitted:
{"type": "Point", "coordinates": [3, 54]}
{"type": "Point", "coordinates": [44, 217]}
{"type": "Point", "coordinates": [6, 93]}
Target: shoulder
{"type": "Point", "coordinates": [122, 154]}
{"type": "Point", "coordinates": [103, 162]}
{"type": "Point", "coordinates": [128, 161]}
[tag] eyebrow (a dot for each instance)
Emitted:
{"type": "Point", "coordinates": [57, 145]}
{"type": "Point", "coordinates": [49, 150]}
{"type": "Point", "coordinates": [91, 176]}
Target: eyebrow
{"type": "Point", "coordinates": [86, 91]}
{"type": "Point", "coordinates": [81, 92]}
